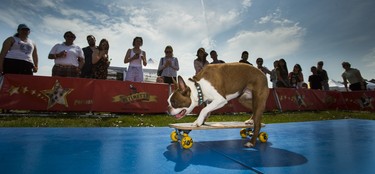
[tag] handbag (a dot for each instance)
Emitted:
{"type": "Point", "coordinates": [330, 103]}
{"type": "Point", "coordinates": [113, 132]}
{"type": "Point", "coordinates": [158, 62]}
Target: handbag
{"type": "Point", "coordinates": [160, 71]}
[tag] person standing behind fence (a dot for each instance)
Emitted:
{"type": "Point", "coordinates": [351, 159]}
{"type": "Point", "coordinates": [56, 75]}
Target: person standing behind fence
{"type": "Point", "coordinates": [323, 74]}
{"type": "Point", "coordinates": [273, 75]}
{"type": "Point", "coordinates": [201, 60]}
{"type": "Point", "coordinates": [19, 54]}
{"type": "Point", "coordinates": [354, 77]}
{"type": "Point", "coordinates": [69, 58]}
{"type": "Point", "coordinates": [282, 75]}
{"type": "Point", "coordinates": [100, 60]}
{"type": "Point", "coordinates": [296, 77]}
{"type": "Point", "coordinates": [136, 58]}
{"type": "Point", "coordinates": [215, 60]}
{"type": "Point", "coordinates": [168, 65]}
{"type": "Point", "coordinates": [87, 51]}
{"type": "Point", "coordinates": [260, 66]}
{"type": "Point", "coordinates": [315, 80]}
{"type": "Point", "coordinates": [245, 57]}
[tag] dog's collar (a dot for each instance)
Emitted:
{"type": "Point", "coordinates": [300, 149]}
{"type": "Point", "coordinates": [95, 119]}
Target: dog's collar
{"type": "Point", "coordinates": [199, 90]}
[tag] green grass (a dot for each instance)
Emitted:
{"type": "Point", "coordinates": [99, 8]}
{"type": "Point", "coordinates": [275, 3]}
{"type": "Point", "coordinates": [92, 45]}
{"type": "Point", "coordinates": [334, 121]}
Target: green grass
{"type": "Point", "coordinates": [139, 120]}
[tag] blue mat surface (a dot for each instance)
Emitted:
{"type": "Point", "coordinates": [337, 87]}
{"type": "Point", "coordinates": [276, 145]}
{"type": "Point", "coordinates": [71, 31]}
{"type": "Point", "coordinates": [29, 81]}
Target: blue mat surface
{"type": "Point", "coordinates": [338, 146]}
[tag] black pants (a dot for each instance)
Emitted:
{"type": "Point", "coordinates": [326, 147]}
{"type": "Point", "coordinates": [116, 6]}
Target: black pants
{"type": "Point", "coordinates": [357, 86]}
{"type": "Point", "coordinates": [14, 66]}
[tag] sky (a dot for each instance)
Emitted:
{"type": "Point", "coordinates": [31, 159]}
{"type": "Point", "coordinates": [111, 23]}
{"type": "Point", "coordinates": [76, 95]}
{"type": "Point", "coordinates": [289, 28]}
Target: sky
{"type": "Point", "coordinates": [300, 31]}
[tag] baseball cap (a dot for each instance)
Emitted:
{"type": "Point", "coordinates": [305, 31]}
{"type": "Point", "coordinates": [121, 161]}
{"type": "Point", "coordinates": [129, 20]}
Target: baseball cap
{"type": "Point", "coordinates": [22, 26]}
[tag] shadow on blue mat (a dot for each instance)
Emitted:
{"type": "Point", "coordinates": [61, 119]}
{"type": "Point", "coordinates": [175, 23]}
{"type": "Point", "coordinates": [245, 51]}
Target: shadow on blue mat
{"type": "Point", "coordinates": [220, 153]}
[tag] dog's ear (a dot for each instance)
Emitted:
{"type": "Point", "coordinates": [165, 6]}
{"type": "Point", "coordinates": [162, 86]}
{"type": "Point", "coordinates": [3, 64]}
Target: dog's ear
{"type": "Point", "coordinates": [181, 83]}
{"type": "Point", "coordinates": [174, 82]}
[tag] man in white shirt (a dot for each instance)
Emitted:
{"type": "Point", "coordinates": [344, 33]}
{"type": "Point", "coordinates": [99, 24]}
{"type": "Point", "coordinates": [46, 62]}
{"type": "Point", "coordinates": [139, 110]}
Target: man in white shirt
{"type": "Point", "coordinates": [69, 58]}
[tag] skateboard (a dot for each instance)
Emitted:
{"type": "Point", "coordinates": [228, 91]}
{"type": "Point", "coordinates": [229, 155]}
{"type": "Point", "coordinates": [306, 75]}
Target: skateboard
{"type": "Point", "coordinates": [182, 130]}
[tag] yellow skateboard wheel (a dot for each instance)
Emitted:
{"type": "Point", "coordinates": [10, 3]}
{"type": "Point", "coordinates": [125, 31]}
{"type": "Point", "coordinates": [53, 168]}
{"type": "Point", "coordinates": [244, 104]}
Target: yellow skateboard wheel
{"type": "Point", "coordinates": [174, 136]}
{"type": "Point", "coordinates": [243, 133]}
{"type": "Point", "coordinates": [186, 142]}
{"type": "Point", "coordinates": [263, 137]}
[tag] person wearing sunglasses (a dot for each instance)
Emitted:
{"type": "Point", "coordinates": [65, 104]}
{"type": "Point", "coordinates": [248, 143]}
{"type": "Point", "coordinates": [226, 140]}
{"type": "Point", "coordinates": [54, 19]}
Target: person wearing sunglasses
{"type": "Point", "coordinates": [19, 54]}
{"type": "Point", "coordinates": [68, 57]}
{"type": "Point", "coordinates": [168, 66]}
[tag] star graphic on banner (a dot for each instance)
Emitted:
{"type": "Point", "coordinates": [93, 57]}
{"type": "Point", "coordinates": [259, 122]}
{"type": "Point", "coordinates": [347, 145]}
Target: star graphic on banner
{"type": "Point", "coordinates": [365, 101]}
{"type": "Point", "coordinates": [329, 100]}
{"type": "Point", "coordinates": [299, 99]}
{"type": "Point", "coordinates": [13, 90]}
{"type": "Point", "coordinates": [57, 95]}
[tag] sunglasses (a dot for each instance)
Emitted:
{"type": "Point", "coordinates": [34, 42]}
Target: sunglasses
{"type": "Point", "coordinates": [71, 36]}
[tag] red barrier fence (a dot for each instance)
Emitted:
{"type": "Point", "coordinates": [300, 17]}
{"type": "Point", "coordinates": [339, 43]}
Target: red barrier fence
{"type": "Point", "coordinates": [56, 94]}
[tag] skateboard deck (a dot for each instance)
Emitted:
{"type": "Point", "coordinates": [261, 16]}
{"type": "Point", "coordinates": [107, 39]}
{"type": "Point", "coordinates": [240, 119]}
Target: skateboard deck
{"type": "Point", "coordinates": [182, 130]}
{"type": "Point", "coordinates": [212, 125]}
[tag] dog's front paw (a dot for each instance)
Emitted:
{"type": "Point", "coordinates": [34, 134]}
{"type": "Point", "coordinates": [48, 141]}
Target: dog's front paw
{"type": "Point", "coordinates": [249, 121]}
{"type": "Point", "coordinates": [198, 123]}
{"type": "Point", "coordinates": [248, 145]}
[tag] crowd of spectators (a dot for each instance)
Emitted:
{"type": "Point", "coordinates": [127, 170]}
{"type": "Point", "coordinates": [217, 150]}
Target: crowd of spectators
{"type": "Point", "coordinates": [19, 56]}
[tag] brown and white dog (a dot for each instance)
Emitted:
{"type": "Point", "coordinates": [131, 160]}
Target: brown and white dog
{"type": "Point", "coordinates": [216, 84]}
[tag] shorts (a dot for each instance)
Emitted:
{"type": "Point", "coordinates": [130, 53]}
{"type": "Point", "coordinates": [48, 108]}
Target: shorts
{"type": "Point", "coordinates": [15, 66]}
{"type": "Point", "coordinates": [134, 74]}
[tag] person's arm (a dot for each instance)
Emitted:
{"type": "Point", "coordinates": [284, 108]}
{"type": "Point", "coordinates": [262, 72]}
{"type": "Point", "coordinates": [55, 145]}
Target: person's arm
{"type": "Point", "coordinates": [81, 59]}
{"type": "Point", "coordinates": [7, 44]}
{"type": "Point", "coordinates": [35, 59]}
{"type": "Point", "coordinates": [144, 58]}
{"type": "Point", "coordinates": [127, 57]}
{"type": "Point", "coordinates": [325, 78]}
{"type": "Point", "coordinates": [362, 81]}
{"type": "Point", "coordinates": [161, 66]}
{"type": "Point", "coordinates": [55, 55]}
{"type": "Point", "coordinates": [266, 70]}
{"type": "Point", "coordinates": [81, 62]}
{"type": "Point", "coordinates": [176, 66]}
{"type": "Point", "coordinates": [345, 81]}
{"type": "Point", "coordinates": [95, 56]}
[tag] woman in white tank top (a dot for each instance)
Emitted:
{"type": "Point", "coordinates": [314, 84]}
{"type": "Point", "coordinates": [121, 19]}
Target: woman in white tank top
{"type": "Point", "coordinates": [19, 54]}
{"type": "Point", "coordinates": [136, 58]}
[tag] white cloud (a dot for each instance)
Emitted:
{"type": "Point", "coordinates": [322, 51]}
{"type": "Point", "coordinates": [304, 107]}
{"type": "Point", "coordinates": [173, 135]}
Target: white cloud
{"type": "Point", "coordinates": [229, 27]}
{"type": "Point", "coordinates": [275, 18]}
{"type": "Point", "coordinates": [279, 39]}
{"type": "Point", "coordinates": [7, 18]}
{"type": "Point", "coordinates": [183, 27]}
{"type": "Point", "coordinates": [369, 63]}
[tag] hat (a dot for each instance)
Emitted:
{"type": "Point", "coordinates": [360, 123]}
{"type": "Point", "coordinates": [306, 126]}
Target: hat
{"type": "Point", "coordinates": [22, 26]}
{"type": "Point", "coordinates": [203, 50]}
